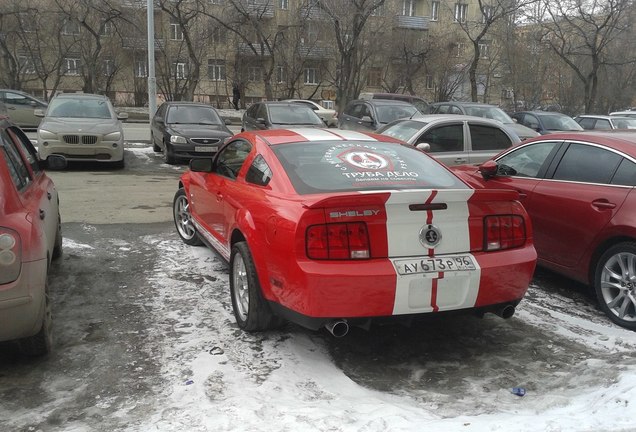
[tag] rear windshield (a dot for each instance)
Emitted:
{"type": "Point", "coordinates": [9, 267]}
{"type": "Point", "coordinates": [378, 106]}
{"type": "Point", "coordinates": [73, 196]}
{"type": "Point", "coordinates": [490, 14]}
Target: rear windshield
{"type": "Point", "coordinates": [291, 115]}
{"type": "Point", "coordinates": [359, 166]}
{"type": "Point", "coordinates": [388, 113]}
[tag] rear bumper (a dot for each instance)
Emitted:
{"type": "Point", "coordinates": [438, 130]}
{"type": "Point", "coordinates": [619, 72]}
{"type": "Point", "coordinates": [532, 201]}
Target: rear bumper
{"type": "Point", "coordinates": [21, 302]}
{"type": "Point", "coordinates": [364, 289]}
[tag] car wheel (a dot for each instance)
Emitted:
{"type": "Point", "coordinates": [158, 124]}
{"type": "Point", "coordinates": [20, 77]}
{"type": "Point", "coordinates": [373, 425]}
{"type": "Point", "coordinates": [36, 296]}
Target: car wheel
{"type": "Point", "coordinates": [615, 284]}
{"type": "Point", "coordinates": [155, 147]}
{"type": "Point", "coordinates": [250, 308]}
{"type": "Point", "coordinates": [167, 154]}
{"type": "Point", "coordinates": [57, 248]}
{"type": "Point", "coordinates": [183, 219]}
{"type": "Point", "coordinates": [41, 343]}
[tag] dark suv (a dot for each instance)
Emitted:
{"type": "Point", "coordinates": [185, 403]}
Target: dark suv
{"type": "Point", "coordinates": [369, 115]}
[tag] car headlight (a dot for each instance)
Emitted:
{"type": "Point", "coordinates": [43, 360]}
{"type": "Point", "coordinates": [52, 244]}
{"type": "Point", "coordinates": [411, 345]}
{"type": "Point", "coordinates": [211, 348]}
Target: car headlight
{"type": "Point", "coordinates": [176, 139]}
{"type": "Point", "coordinates": [46, 135]}
{"type": "Point", "coordinates": [113, 136]}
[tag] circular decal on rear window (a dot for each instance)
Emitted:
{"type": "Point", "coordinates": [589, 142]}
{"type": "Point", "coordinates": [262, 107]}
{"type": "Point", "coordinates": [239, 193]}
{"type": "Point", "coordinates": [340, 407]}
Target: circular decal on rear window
{"type": "Point", "coordinates": [365, 160]}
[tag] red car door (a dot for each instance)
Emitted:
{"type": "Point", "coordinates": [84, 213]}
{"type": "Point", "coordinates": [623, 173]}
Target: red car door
{"type": "Point", "coordinates": [570, 209]}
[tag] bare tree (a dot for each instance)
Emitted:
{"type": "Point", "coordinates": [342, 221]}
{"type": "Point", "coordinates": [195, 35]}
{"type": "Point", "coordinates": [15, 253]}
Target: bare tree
{"type": "Point", "coordinates": [582, 33]}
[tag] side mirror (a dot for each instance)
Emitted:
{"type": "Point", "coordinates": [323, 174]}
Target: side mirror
{"type": "Point", "coordinates": [261, 121]}
{"type": "Point", "coordinates": [228, 121]}
{"type": "Point", "coordinates": [423, 147]}
{"type": "Point", "coordinates": [33, 103]}
{"type": "Point", "coordinates": [38, 113]}
{"type": "Point", "coordinates": [55, 162]}
{"type": "Point", "coordinates": [201, 165]}
{"type": "Point", "coordinates": [122, 116]}
{"type": "Point", "coordinates": [514, 120]}
{"type": "Point", "coordinates": [488, 169]}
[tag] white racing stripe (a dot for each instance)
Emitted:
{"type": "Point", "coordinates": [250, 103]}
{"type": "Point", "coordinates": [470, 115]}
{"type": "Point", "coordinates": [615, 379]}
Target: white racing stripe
{"type": "Point", "coordinates": [316, 134]}
{"type": "Point", "coordinates": [428, 292]}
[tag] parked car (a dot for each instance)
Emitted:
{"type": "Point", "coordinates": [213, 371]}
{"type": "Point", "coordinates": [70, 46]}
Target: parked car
{"type": "Point", "coordinates": [30, 237]}
{"type": "Point", "coordinates": [335, 228]}
{"type": "Point", "coordinates": [589, 121]}
{"type": "Point", "coordinates": [546, 122]}
{"type": "Point", "coordinates": [630, 113]}
{"type": "Point", "coordinates": [82, 127]}
{"type": "Point", "coordinates": [579, 191]}
{"type": "Point", "coordinates": [486, 111]}
{"type": "Point", "coordinates": [329, 116]}
{"type": "Point", "coordinates": [419, 103]}
{"type": "Point", "coordinates": [370, 115]}
{"type": "Point", "coordinates": [453, 139]}
{"type": "Point", "coordinates": [279, 115]}
{"type": "Point", "coordinates": [186, 130]}
{"type": "Point", "coordinates": [21, 108]}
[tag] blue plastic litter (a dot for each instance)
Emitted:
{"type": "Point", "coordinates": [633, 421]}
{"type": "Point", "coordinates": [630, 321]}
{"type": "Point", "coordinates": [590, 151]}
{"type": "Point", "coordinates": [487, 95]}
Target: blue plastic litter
{"type": "Point", "coordinates": [188, 382]}
{"type": "Point", "coordinates": [519, 391]}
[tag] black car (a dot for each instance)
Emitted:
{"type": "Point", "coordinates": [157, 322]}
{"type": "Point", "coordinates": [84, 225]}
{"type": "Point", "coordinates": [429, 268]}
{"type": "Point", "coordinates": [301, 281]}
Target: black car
{"type": "Point", "coordinates": [370, 115]}
{"type": "Point", "coordinates": [280, 115]}
{"type": "Point", "coordinates": [546, 122]}
{"type": "Point", "coordinates": [187, 130]}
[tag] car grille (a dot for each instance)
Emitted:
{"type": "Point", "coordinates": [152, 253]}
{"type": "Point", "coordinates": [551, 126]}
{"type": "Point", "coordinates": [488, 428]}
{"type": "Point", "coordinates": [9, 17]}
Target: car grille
{"type": "Point", "coordinates": [205, 140]}
{"type": "Point", "coordinates": [76, 139]}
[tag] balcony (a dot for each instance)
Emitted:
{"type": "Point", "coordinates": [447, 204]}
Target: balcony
{"type": "Point", "coordinates": [313, 13]}
{"type": "Point", "coordinates": [260, 8]}
{"type": "Point", "coordinates": [315, 52]}
{"type": "Point", "coordinates": [141, 44]}
{"type": "Point", "coordinates": [246, 50]}
{"type": "Point", "coordinates": [412, 22]}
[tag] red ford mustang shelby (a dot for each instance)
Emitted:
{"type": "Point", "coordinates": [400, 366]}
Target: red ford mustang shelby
{"type": "Point", "coordinates": [327, 228]}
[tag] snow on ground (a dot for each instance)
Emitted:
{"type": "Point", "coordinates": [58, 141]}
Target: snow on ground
{"type": "Point", "coordinates": [223, 379]}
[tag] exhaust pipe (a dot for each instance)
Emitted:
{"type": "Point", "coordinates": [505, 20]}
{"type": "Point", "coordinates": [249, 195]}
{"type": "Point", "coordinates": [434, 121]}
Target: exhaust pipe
{"type": "Point", "coordinates": [505, 312]}
{"type": "Point", "coordinates": [338, 328]}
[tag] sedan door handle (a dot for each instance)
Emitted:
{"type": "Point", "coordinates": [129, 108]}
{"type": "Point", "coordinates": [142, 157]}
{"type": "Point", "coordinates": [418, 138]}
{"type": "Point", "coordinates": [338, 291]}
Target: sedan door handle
{"type": "Point", "coordinates": [522, 194]}
{"type": "Point", "coordinates": [42, 214]}
{"type": "Point", "coordinates": [219, 196]}
{"type": "Point", "coordinates": [460, 161]}
{"type": "Point", "coordinates": [603, 204]}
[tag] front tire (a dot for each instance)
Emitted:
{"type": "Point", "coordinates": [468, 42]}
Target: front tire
{"type": "Point", "coordinates": [155, 147]}
{"type": "Point", "coordinates": [57, 248]}
{"type": "Point", "coordinates": [167, 154]}
{"type": "Point", "coordinates": [183, 219]}
{"type": "Point", "coordinates": [615, 284]}
{"type": "Point", "coordinates": [250, 308]}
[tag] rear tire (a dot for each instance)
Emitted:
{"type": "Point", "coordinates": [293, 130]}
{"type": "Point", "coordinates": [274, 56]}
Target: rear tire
{"type": "Point", "coordinates": [183, 219]}
{"type": "Point", "coordinates": [251, 310]}
{"type": "Point", "coordinates": [41, 343]}
{"type": "Point", "coordinates": [615, 284]}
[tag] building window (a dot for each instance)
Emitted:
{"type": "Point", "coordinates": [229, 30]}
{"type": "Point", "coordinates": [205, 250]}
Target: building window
{"type": "Point", "coordinates": [108, 67]}
{"type": "Point", "coordinates": [216, 70]}
{"type": "Point", "coordinates": [179, 70]}
{"type": "Point", "coordinates": [70, 27]}
{"type": "Point", "coordinates": [27, 22]}
{"type": "Point", "coordinates": [281, 76]}
{"type": "Point", "coordinates": [218, 35]}
{"type": "Point", "coordinates": [435, 11]}
{"type": "Point", "coordinates": [107, 29]}
{"type": "Point", "coordinates": [378, 11]}
{"type": "Point", "coordinates": [459, 49]}
{"type": "Point", "coordinates": [141, 68]}
{"type": "Point", "coordinates": [27, 65]}
{"type": "Point", "coordinates": [483, 50]}
{"type": "Point", "coordinates": [176, 31]}
{"type": "Point", "coordinates": [283, 4]}
{"type": "Point", "coordinates": [374, 77]}
{"type": "Point", "coordinates": [408, 7]}
{"type": "Point", "coordinates": [487, 13]}
{"type": "Point", "coordinates": [430, 83]}
{"type": "Point", "coordinates": [311, 76]}
{"type": "Point", "coordinates": [71, 66]}
{"type": "Point", "coordinates": [461, 11]}
{"type": "Point", "coordinates": [254, 74]}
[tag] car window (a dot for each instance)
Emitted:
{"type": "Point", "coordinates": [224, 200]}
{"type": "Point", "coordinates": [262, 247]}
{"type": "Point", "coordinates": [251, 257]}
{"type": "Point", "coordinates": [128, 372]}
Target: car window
{"type": "Point", "coordinates": [488, 138]}
{"type": "Point", "coordinates": [444, 138]}
{"type": "Point", "coordinates": [259, 172]}
{"type": "Point", "coordinates": [589, 164]}
{"type": "Point", "coordinates": [531, 121]}
{"type": "Point", "coordinates": [261, 112]}
{"type": "Point", "coordinates": [231, 158]}
{"type": "Point", "coordinates": [403, 130]}
{"type": "Point", "coordinates": [285, 114]}
{"type": "Point", "coordinates": [525, 161]}
{"type": "Point", "coordinates": [455, 110]}
{"type": "Point", "coordinates": [625, 174]}
{"type": "Point", "coordinates": [317, 167]}
{"type": "Point", "coordinates": [193, 115]}
{"type": "Point", "coordinates": [161, 111]}
{"type": "Point", "coordinates": [625, 123]}
{"type": "Point", "coordinates": [352, 109]}
{"type": "Point", "coordinates": [23, 142]}
{"type": "Point", "coordinates": [442, 109]}
{"type": "Point", "coordinates": [602, 124]}
{"type": "Point", "coordinates": [79, 108]}
{"type": "Point", "coordinates": [388, 113]}
{"type": "Point", "coordinates": [251, 111]}
{"type": "Point", "coordinates": [17, 168]}
{"type": "Point", "coordinates": [16, 99]}
{"type": "Point", "coordinates": [559, 122]}
{"type": "Point", "coordinates": [587, 123]}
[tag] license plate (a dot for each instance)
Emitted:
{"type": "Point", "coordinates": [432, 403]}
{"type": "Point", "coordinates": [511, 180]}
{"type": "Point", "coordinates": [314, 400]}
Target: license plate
{"type": "Point", "coordinates": [446, 263]}
{"type": "Point", "coordinates": [207, 149]}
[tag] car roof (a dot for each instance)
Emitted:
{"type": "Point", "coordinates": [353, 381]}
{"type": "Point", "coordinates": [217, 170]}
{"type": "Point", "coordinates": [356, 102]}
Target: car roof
{"type": "Point", "coordinates": [618, 139]}
{"type": "Point", "coordinates": [187, 103]}
{"type": "Point", "coordinates": [628, 112]}
{"type": "Point", "coordinates": [79, 96]}
{"type": "Point", "coordinates": [465, 104]}
{"type": "Point", "coordinates": [303, 135]}
{"type": "Point", "coordinates": [541, 113]}
{"type": "Point", "coordinates": [597, 116]}
{"type": "Point", "coordinates": [430, 118]}
{"type": "Point", "coordinates": [382, 102]}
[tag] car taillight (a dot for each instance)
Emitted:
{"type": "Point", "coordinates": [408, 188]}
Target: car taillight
{"type": "Point", "coordinates": [338, 241]}
{"type": "Point", "coordinates": [504, 232]}
{"type": "Point", "coordinates": [10, 259]}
